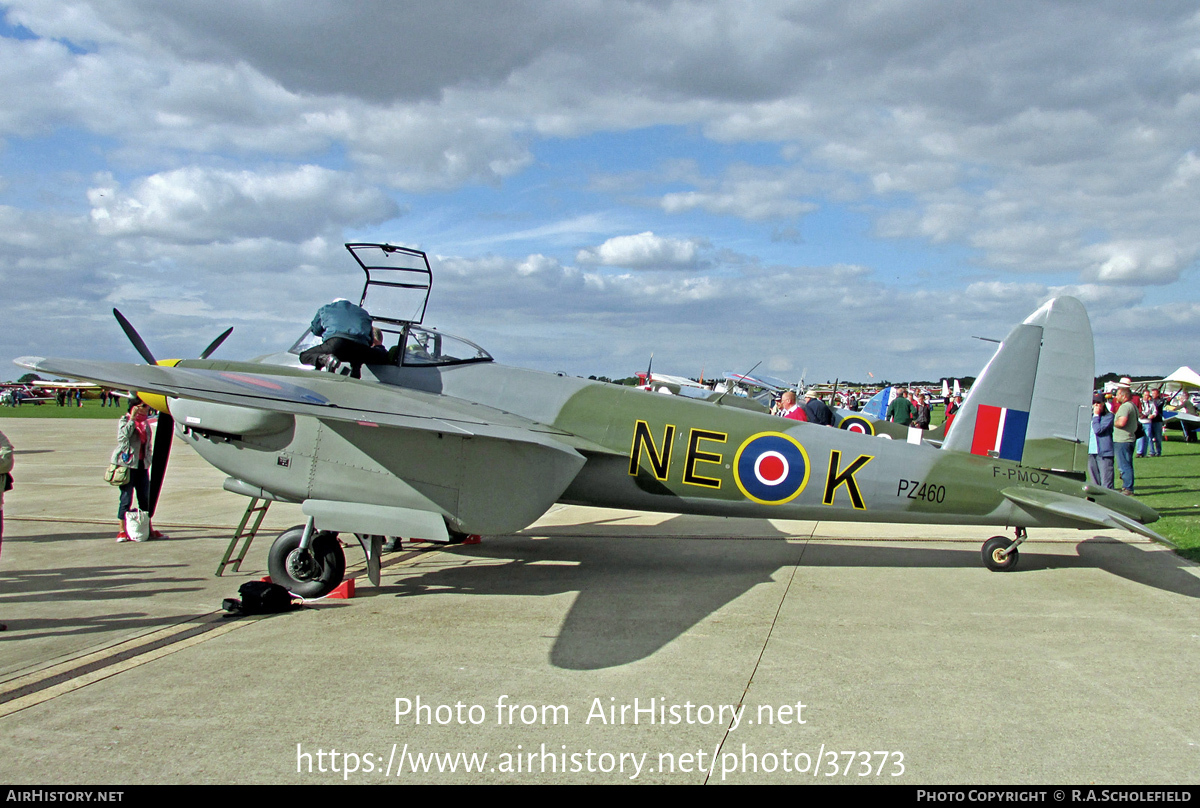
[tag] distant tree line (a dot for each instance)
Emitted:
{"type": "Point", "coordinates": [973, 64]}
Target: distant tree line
{"type": "Point", "coordinates": [628, 381]}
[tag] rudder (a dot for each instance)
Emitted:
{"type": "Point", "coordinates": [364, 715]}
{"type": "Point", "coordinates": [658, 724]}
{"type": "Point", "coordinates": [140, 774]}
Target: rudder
{"type": "Point", "coordinates": [1030, 404]}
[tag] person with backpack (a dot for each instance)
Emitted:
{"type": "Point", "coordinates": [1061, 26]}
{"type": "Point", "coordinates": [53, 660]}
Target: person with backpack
{"type": "Point", "coordinates": [133, 452]}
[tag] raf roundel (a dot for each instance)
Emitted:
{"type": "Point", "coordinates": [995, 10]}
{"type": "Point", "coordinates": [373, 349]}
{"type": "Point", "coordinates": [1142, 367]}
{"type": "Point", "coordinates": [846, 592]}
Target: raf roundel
{"type": "Point", "coordinates": [856, 423]}
{"type": "Point", "coordinates": [771, 468]}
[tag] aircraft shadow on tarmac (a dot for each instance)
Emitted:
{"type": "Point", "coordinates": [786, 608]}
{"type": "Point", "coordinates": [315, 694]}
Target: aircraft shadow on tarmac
{"type": "Point", "coordinates": [634, 595]}
{"type": "Point", "coordinates": [24, 629]}
{"type": "Point", "coordinates": [638, 591]}
{"type": "Point", "coordinates": [177, 535]}
{"type": "Point", "coordinates": [50, 538]}
{"type": "Point", "coordinates": [91, 583]}
{"type": "Point", "coordinates": [113, 582]}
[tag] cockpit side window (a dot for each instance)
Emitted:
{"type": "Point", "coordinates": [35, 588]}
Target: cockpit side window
{"type": "Point", "coordinates": [428, 347]}
{"type": "Point", "coordinates": [413, 346]}
{"type": "Point", "coordinates": [307, 340]}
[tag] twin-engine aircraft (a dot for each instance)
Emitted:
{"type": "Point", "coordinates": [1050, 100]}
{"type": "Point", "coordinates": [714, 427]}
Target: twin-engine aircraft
{"type": "Point", "coordinates": [441, 442]}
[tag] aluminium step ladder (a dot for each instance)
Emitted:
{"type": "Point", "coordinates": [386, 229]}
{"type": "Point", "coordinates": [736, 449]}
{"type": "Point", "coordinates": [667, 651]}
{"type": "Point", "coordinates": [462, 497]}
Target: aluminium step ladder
{"type": "Point", "coordinates": [257, 509]}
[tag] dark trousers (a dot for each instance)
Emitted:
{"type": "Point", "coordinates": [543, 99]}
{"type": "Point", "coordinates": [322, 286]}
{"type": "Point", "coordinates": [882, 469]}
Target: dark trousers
{"type": "Point", "coordinates": [343, 350]}
{"type": "Point", "coordinates": [1101, 470]}
{"type": "Point", "coordinates": [139, 481]}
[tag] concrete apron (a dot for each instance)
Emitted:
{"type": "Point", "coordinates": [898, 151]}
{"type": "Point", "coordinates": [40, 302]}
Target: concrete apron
{"type": "Point", "coordinates": [596, 646]}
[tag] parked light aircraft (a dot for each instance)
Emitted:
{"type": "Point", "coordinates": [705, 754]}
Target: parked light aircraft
{"type": "Point", "coordinates": [442, 441]}
{"type": "Point", "coordinates": [43, 391]}
{"type": "Point", "coordinates": [682, 386]}
{"type": "Point", "coordinates": [30, 394]}
{"type": "Point", "coordinates": [1180, 391]}
{"type": "Point", "coordinates": [659, 382]}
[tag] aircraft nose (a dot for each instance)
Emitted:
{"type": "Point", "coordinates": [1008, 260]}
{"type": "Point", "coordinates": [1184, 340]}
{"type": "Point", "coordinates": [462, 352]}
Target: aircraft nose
{"type": "Point", "coordinates": [154, 400]}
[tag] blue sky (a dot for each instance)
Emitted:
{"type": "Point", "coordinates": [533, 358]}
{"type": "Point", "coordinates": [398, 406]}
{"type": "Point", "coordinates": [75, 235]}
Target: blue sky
{"type": "Point", "coordinates": [817, 186]}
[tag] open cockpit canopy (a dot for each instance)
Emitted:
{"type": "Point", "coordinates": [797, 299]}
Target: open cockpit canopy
{"type": "Point", "coordinates": [396, 293]}
{"type": "Point", "coordinates": [398, 282]}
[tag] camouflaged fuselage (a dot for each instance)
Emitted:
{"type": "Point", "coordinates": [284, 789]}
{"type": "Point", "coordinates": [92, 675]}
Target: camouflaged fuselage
{"type": "Point", "coordinates": [642, 450]}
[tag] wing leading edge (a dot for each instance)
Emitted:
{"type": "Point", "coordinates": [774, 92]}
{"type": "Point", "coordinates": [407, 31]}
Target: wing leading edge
{"type": "Point", "coordinates": [504, 473]}
{"type": "Point", "coordinates": [334, 398]}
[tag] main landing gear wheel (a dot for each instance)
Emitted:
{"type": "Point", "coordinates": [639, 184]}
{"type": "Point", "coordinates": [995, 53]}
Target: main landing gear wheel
{"type": "Point", "coordinates": [995, 555]}
{"type": "Point", "coordinates": [311, 573]}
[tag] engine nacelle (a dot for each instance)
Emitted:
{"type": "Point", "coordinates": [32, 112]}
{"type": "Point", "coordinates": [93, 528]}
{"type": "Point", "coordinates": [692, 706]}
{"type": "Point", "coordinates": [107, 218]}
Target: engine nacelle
{"type": "Point", "coordinates": [227, 419]}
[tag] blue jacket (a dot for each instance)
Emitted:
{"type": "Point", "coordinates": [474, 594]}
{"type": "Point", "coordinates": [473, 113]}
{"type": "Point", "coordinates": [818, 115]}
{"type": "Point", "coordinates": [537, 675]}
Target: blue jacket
{"type": "Point", "coordinates": [1102, 428]}
{"type": "Point", "coordinates": [818, 412]}
{"type": "Point", "coordinates": [342, 318]}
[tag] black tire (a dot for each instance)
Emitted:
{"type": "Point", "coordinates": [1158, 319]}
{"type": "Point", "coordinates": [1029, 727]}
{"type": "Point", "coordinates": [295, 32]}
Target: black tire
{"type": "Point", "coordinates": [991, 549]}
{"type": "Point", "coordinates": [307, 575]}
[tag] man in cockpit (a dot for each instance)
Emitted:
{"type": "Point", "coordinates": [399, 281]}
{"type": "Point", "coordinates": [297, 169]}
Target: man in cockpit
{"type": "Point", "coordinates": [346, 329]}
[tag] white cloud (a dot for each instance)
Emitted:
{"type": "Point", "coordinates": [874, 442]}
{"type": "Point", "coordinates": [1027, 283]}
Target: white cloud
{"type": "Point", "coordinates": [1099, 299]}
{"type": "Point", "coordinates": [1151, 261]}
{"type": "Point", "coordinates": [834, 320]}
{"type": "Point", "coordinates": [1186, 171]}
{"type": "Point", "coordinates": [746, 206]}
{"type": "Point", "coordinates": [1032, 141]}
{"type": "Point", "coordinates": [644, 251]}
{"type": "Point", "coordinates": [200, 204]}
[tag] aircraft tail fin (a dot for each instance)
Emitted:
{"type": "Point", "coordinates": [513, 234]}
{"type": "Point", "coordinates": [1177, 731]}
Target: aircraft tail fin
{"type": "Point", "coordinates": [1032, 402]}
{"type": "Point", "coordinates": [877, 404]}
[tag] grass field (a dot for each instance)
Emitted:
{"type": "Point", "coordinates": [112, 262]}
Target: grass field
{"type": "Point", "coordinates": [1170, 484]}
{"type": "Point", "coordinates": [91, 409]}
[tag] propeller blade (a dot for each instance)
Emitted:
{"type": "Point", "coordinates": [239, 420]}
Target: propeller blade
{"type": "Point", "coordinates": [212, 346]}
{"type": "Point", "coordinates": [164, 433]}
{"type": "Point", "coordinates": [134, 337]}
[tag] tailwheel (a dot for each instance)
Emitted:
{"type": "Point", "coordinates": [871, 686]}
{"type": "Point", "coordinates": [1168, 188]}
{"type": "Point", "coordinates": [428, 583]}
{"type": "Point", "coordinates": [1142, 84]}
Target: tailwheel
{"type": "Point", "coordinates": [1000, 553]}
{"type": "Point", "coordinates": [311, 573]}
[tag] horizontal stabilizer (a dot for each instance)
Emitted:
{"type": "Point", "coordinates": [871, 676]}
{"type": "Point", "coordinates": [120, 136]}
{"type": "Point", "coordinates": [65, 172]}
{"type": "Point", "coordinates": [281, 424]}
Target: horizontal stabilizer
{"type": "Point", "coordinates": [1081, 510]}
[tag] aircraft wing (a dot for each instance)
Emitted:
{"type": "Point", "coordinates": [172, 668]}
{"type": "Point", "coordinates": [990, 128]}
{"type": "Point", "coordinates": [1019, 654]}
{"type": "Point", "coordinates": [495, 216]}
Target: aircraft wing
{"type": "Point", "coordinates": [508, 470]}
{"type": "Point", "coordinates": [66, 385]}
{"type": "Point", "coordinates": [1081, 510]}
{"type": "Point", "coordinates": [765, 382]}
{"type": "Point", "coordinates": [682, 381]}
{"type": "Point", "coordinates": [329, 398]}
